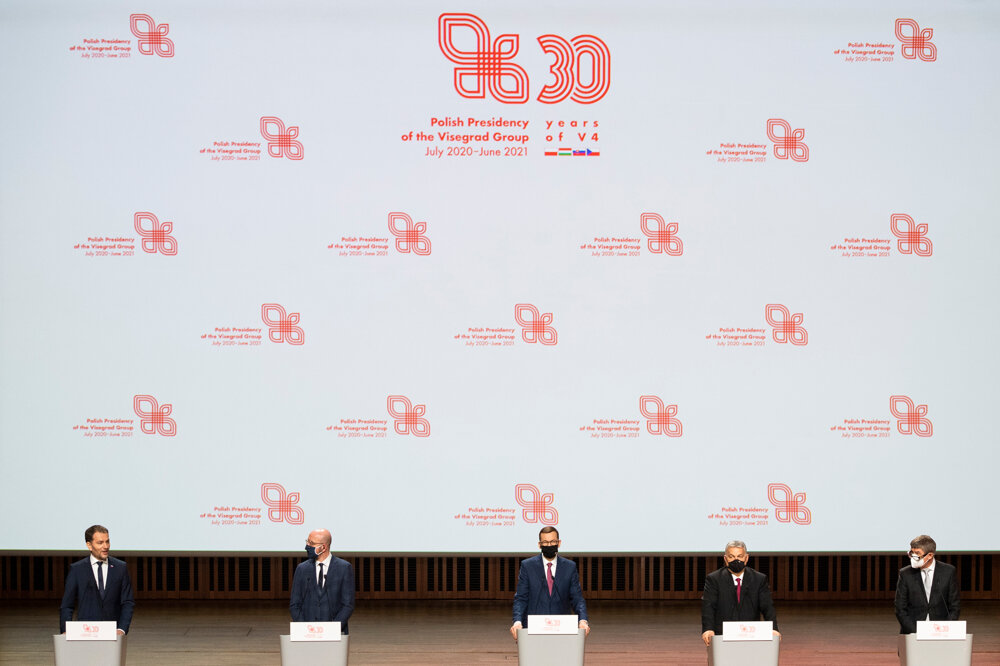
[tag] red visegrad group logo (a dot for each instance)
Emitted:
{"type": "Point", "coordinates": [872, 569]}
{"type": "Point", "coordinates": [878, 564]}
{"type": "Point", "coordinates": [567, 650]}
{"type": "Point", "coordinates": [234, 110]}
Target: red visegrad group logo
{"type": "Point", "coordinates": [911, 418]}
{"type": "Point", "coordinates": [535, 327]}
{"type": "Point", "coordinates": [660, 419]}
{"type": "Point", "coordinates": [915, 43]}
{"type": "Point", "coordinates": [155, 235]}
{"type": "Point", "coordinates": [536, 507]}
{"type": "Point", "coordinates": [281, 142]}
{"type": "Point", "coordinates": [281, 326]}
{"type": "Point", "coordinates": [150, 37]}
{"type": "Point", "coordinates": [661, 238]}
{"type": "Point", "coordinates": [154, 417]}
{"type": "Point", "coordinates": [787, 327]}
{"type": "Point", "coordinates": [282, 507]}
{"type": "Point", "coordinates": [409, 237]}
{"type": "Point", "coordinates": [408, 418]}
{"type": "Point", "coordinates": [912, 237]}
{"type": "Point", "coordinates": [789, 507]}
{"type": "Point", "coordinates": [488, 65]}
{"type": "Point", "coordinates": [787, 143]}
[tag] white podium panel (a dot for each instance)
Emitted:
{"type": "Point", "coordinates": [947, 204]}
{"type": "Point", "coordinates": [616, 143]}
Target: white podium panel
{"type": "Point", "coordinates": [88, 653]}
{"type": "Point", "coordinates": [915, 652]}
{"type": "Point", "coordinates": [743, 653]}
{"type": "Point", "coordinates": [548, 649]}
{"type": "Point", "coordinates": [314, 653]}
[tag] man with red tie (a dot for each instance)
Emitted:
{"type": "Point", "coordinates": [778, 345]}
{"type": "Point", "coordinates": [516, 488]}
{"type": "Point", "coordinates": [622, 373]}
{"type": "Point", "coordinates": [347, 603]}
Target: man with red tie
{"type": "Point", "coordinates": [98, 587]}
{"type": "Point", "coordinates": [548, 585]}
{"type": "Point", "coordinates": [735, 593]}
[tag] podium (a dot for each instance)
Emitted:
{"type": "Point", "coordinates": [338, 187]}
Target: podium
{"type": "Point", "coordinates": [548, 649]}
{"type": "Point", "coordinates": [913, 652]}
{"type": "Point", "coordinates": [314, 653]}
{"type": "Point", "coordinates": [742, 653]}
{"type": "Point", "coordinates": [89, 653]}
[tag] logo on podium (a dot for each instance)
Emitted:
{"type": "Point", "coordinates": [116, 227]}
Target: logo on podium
{"type": "Point", "coordinates": [787, 143]}
{"type": "Point", "coordinates": [536, 507]}
{"type": "Point", "coordinates": [911, 419]}
{"type": "Point", "coordinates": [661, 238]}
{"type": "Point", "coordinates": [410, 237]}
{"type": "Point", "coordinates": [789, 507]}
{"type": "Point", "coordinates": [535, 327]}
{"type": "Point", "coordinates": [408, 418]}
{"type": "Point", "coordinates": [282, 507]}
{"type": "Point", "coordinates": [154, 417]}
{"type": "Point", "coordinates": [281, 142]}
{"type": "Point", "coordinates": [915, 43]}
{"type": "Point", "coordinates": [660, 419]}
{"type": "Point", "coordinates": [155, 235]}
{"type": "Point", "coordinates": [281, 326]}
{"type": "Point", "coordinates": [911, 237]}
{"type": "Point", "coordinates": [150, 37]}
{"type": "Point", "coordinates": [787, 327]}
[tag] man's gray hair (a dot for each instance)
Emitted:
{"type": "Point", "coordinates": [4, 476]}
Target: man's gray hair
{"type": "Point", "coordinates": [735, 543]}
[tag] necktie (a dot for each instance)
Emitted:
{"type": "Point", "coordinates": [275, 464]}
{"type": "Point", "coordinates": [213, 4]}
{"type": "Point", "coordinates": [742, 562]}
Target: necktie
{"type": "Point", "coordinates": [322, 580]}
{"type": "Point", "coordinates": [100, 579]}
{"type": "Point", "coordinates": [549, 578]}
{"type": "Point", "coordinates": [927, 583]}
{"type": "Point", "coordinates": [738, 587]}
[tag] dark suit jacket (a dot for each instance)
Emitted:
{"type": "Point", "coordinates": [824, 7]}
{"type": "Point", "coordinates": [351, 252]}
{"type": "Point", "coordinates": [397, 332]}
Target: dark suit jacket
{"type": "Point", "coordinates": [334, 603]}
{"type": "Point", "coordinates": [718, 603]}
{"type": "Point", "coordinates": [911, 600]}
{"type": "Point", "coordinates": [81, 594]}
{"type": "Point", "coordinates": [532, 596]}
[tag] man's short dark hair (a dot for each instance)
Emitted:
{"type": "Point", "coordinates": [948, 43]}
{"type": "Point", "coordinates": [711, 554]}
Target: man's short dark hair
{"type": "Point", "coordinates": [548, 529]}
{"type": "Point", "coordinates": [94, 529]}
{"type": "Point", "coordinates": [924, 543]}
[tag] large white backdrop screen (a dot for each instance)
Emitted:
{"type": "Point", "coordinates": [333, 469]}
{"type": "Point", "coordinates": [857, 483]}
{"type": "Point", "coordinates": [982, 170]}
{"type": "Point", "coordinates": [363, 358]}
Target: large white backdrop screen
{"type": "Point", "coordinates": [803, 361]}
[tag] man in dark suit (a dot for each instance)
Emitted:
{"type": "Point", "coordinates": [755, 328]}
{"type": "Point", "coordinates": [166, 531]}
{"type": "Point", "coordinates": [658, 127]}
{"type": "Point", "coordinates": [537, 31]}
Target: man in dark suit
{"type": "Point", "coordinates": [926, 589]}
{"type": "Point", "coordinates": [323, 585]}
{"type": "Point", "coordinates": [98, 587]}
{"type": "Point", "coordinates": [548, 585]}
{"type": "Point", "coordinates": [735, 593]}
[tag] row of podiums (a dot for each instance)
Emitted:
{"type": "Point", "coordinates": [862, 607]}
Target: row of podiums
{"type": "Point", "coordinates": [550, 639]}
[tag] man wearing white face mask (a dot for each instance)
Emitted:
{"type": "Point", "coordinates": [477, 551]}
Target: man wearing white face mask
{"type": "Point", "coordinates": [926, 589]}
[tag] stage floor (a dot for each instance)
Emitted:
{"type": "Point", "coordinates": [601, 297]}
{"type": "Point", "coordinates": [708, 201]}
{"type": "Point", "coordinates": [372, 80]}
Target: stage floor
{"type": "Point", "coordinates": [464, 632]}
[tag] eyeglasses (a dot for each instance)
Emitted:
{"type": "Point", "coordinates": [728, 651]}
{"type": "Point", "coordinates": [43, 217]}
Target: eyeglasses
{"type": "Point", "coordinates": [549, 543]}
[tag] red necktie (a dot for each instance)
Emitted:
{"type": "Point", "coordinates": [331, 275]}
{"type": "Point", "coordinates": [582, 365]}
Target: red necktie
{"type": "Point", "coordinates": [549, 578]}
{"type": "Point", "coordinates": [738, 581]}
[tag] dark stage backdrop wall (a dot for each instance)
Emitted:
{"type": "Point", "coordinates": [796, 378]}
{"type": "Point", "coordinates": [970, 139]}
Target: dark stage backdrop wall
{"type": "Point", "coordinates": [435, 275]}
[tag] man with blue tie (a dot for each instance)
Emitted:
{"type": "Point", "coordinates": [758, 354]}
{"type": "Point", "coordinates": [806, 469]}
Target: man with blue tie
{"type": "Point", "coordinates": [98, 587]}
{"type": "Point", "coordinates": [323, 585]}
{"type": "Point", "coordinates": [548, 585]}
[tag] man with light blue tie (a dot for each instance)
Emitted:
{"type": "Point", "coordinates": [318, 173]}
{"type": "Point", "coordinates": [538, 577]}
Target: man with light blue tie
{"type": "Point", "coordinates": [98, 587]}
{"type": "Point", "coordinates": [548, 585]}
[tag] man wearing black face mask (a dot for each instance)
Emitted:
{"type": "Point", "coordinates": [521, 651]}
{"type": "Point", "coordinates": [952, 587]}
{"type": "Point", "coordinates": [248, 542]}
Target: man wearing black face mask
{"type": "Point", "coordinates": [548, 585]}
{"type": "Point", "coordinates": [735, 593]}
{"type": "Point", "coordinates": [323, 585]}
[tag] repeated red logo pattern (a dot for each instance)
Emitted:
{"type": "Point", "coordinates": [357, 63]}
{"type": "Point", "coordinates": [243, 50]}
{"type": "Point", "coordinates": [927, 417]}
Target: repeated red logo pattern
{"type": "Point", "coordinates": [282, 507]}
{"type": "Point", "coordinates": [408, 419]}
{"type": "Point", "coordinates": [410, 237]}
{"type": "Point", "coordinates": [489, 65]}
{"type": "Point", "coordinates": [282, 326]}
{"type": "Point", "coordinates": [150, 37]}
{"type": "Point", "coordinates": [787, 327]}
{"type": "Point", "coordinates": [660, 419]}
{"type": "Point", "coordinates": [281, 141]}
{"type": "Point", "coordinates": [915, 43]}
{"type": "Point", "coordinates": [155, 235]}
{"type": "Point", "coordinates": [661, 238]}
{"type": "Point", "coordinates": [911, 418]}
{"type": "Point", "coordinates": [912, 237]}
{"type": "Point", "coordinates": [154, 418]}
{"type": "Point", "coordinates": [789, 507]}
{"type": "Point", "coordinates": [536, 507]}
{"type": "Point", "coordinates": [535, 326]}
{"type": "Point", "coordinates": [787, 142]}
